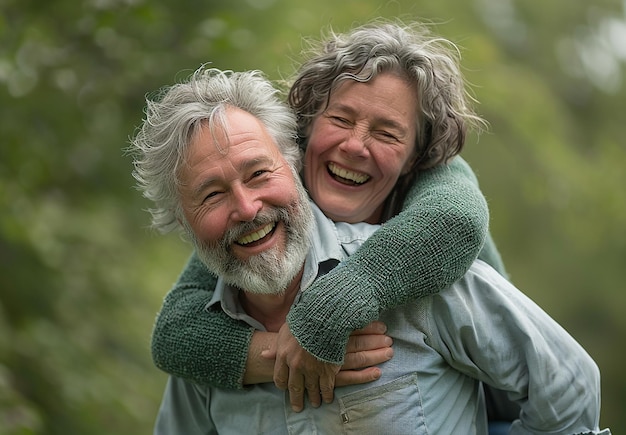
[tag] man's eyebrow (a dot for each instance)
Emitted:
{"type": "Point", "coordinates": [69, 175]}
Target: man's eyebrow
{"type": "Point", "coordinates": [198, 191]}
{"type": "Point", "coordinates": [251, 163]}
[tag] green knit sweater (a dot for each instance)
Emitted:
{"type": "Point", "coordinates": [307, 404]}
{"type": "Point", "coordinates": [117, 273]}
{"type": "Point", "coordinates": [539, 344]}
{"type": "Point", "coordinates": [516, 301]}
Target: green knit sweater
{"type": "Point", "coordinates": [424, 249]}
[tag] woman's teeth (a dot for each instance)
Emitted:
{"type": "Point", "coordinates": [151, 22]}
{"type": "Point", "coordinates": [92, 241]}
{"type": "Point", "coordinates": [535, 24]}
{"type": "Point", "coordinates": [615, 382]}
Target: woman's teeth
{"type": "Point", "coordinates": [352, 176]}
{"type": "Point", "coordinates": [257, 235]}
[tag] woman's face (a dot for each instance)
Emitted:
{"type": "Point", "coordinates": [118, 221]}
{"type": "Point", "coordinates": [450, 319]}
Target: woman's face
{"type": "Point", "coordinates": [359, 146]}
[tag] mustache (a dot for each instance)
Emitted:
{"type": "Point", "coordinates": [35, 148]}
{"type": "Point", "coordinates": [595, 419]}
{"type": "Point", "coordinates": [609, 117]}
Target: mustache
{"type": "Point", "coordinates": [235, 233]}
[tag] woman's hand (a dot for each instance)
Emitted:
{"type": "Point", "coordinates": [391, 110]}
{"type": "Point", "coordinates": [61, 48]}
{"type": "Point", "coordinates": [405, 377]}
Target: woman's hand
{"type": "Point", "coordinates": [297, 370]}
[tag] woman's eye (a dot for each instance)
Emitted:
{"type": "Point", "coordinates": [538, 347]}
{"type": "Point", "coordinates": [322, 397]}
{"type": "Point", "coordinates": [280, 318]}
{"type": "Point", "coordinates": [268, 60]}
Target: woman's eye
{"type": "Point", "coordinates": [385, 135]}
{"type": "Point", "coordinates": [340, 120]}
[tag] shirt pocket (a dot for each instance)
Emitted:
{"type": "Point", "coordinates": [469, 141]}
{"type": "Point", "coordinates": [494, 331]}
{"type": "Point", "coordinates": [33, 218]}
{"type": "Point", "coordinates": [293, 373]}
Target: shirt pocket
{"type": "Point", "coordinates": [391, 408]}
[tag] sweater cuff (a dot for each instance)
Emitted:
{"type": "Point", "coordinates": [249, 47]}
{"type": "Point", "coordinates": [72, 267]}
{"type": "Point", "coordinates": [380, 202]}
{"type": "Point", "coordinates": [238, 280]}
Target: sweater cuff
{"type": "Point", "coordinates": [324, 318]}
{"type": "Point", "coordinates": [211, 352]}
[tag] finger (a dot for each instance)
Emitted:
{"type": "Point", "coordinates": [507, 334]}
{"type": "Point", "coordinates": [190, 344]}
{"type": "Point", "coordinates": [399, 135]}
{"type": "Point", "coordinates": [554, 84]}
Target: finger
{"type": "Point", "coordinates": [296, 391]}
{"type": "Point", "coordinates": [269, 353]}
{"type": "Point", "coordinates": [375, 327]}
{"type": "Point", "coordinates": [354, 377]}
{"type": "Point", "coordinates": [368, 358]}
{"type": "Point", "coordinates": [267, 342]}
{"type": "Point", "coordinates": [281, 375]}
{"type": "Point", "coordinates": [327, 388]}
{"type": "Point", "coordinates": [358, 343]}
{"type": "Point", "coordinates": [312, 386]}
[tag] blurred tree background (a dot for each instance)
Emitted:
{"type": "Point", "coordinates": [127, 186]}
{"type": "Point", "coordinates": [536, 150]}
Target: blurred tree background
{"type": "Point", "coordinates": [81, 277]}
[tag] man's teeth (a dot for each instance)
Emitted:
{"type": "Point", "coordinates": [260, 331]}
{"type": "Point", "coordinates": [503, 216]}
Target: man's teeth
{"type": "Point", "coordinates": [257, 235]}
{"type": "Point", "coordinates": [348, 175]}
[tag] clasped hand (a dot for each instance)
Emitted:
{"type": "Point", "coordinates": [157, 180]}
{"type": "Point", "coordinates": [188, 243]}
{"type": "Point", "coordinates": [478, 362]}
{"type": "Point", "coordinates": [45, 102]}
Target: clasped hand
{"type": "Point", "coordinates": [298, 371]}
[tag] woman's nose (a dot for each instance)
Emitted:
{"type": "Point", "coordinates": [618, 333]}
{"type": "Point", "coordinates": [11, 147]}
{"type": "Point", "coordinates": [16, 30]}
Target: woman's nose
{"type": "Point", "coordinates": [355, 144]}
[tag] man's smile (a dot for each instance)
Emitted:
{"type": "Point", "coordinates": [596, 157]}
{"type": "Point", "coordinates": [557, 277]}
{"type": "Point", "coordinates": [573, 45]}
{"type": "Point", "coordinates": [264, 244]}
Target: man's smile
{"type": "Point", "coordinates": [257, 235]}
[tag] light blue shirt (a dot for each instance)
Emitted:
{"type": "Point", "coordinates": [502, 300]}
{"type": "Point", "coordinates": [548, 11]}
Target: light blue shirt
{"type": "Point", "coordinates": [481, 329]}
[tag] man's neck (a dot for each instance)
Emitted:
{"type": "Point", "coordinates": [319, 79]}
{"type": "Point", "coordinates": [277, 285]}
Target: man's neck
{"type": "Point", "coordinates": [271, 310]}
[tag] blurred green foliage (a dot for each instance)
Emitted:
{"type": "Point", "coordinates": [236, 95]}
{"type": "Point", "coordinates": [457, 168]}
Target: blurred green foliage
{"type": "Point", "coordinates": [81, 277]}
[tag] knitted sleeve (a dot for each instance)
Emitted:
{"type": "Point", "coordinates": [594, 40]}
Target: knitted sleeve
{"type": "Point", "coordinates": [188, 341]}
{"type": "Point", "coordinates": [422, 250]}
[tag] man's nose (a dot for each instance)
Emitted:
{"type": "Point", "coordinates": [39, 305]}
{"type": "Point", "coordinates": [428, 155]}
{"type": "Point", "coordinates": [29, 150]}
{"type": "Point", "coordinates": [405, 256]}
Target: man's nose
{"type": "Point", "coordinates": [246, 204]}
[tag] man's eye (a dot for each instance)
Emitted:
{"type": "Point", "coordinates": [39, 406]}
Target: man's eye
{"type": "Point", "coordinates": [211, 196]}
{"type": "Point", "coordinates": [258, 173]}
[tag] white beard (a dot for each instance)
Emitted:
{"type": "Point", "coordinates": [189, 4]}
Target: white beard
{"type": "Point", "coordinates": [272, 271]}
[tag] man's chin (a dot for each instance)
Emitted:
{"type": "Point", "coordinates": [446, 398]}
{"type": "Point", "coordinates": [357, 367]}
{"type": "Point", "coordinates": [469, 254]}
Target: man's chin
{"type": "Point", "coordinates": [259, 284]}
{"type": "Point", "coordinates": [259, 274]}
{"type": "Point", "coordinates": [263, 276]}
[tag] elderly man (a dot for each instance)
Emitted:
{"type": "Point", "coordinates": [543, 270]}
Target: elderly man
{"type": "Point", "coordinates": [217, 156]}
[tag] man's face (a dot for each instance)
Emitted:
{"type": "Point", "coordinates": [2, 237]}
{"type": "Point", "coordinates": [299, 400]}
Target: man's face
{"type": "Point", "coordinates": [244, 208]}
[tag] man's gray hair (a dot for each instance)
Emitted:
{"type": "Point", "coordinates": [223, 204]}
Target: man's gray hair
{"type": "Point", "coordinates": [176, 114]}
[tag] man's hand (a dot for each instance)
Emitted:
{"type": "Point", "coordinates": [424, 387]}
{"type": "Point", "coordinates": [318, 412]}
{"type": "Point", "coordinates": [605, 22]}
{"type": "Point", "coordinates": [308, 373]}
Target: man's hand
{"type": "Point", "coordinates": [297, 370]}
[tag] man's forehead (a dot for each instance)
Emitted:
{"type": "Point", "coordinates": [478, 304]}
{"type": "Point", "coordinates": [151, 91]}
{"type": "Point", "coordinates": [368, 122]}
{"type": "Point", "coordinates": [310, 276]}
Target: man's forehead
{"type": "Point", "coordinates": [241, 132]}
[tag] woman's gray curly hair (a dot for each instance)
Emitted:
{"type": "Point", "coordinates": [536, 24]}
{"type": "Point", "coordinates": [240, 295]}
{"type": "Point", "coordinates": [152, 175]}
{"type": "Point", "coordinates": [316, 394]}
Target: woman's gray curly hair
{"type": "Point", "coordinates": [175, 115]}
{"type": "Point", "coordinates": [410, 51]}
